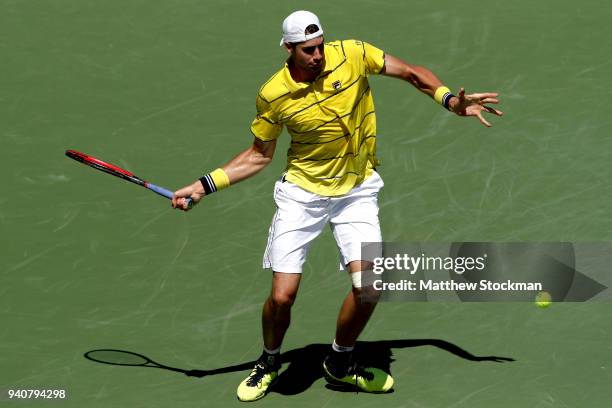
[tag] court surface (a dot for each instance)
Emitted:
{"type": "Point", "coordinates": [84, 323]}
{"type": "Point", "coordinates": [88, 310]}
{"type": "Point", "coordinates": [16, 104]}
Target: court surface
{"type": "Point", "coordinates": [167, 90]}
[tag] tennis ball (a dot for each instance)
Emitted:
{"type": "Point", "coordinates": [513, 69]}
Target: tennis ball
{"type": "Point", "coordinates": [543, 299]}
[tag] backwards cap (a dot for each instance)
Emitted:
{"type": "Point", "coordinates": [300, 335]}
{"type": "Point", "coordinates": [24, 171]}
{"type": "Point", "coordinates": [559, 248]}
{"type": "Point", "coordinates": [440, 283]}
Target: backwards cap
{"type": "Point", "coordinates": [295, 25]}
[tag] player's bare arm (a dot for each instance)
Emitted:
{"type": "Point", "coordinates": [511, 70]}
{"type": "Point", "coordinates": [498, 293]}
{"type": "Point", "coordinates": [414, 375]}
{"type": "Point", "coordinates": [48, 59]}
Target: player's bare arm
{"type": "Point", "coordinates": [246, 164]}
{"type": "Point", "coordinates": [427, 82]}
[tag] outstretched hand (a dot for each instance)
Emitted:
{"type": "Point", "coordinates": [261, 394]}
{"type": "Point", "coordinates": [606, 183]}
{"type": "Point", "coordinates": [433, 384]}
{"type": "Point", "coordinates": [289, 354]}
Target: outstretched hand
{"type": "Point", "coordinates": [474, 105]}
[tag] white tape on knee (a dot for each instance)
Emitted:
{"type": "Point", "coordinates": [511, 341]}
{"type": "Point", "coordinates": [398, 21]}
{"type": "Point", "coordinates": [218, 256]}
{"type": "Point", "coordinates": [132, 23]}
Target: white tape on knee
{"type": "Point", "coordinates": [362, 279]}
{"type": "Point", "coordinates": [356, 278]}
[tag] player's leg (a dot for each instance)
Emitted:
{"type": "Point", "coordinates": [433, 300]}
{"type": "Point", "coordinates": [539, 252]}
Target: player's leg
{"type": "Point", "coordinates": [299, 219]}
{"type": "Point", "coordinates": [275, 320]}
{"type": "Point", "coordinates": [340, 365]}
{"type": "Point", "coordinates": [357, 307]}
{"type": "Point", "coordinates": [354, 220]}
{"type": "Point", "coordinates": [276, 314]}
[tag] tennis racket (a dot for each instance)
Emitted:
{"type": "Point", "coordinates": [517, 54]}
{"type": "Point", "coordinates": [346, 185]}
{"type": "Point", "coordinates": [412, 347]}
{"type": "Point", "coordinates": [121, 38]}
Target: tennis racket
{"type": "Point", "coordinates": [121, 173]}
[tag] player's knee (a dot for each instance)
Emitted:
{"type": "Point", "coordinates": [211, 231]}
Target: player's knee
{"type": "Point", "coordinates": [366, 294]}
{"type": "Point", "coordinates": [363, 287]}
{"type": "Point", "coordinates": [282, 299]}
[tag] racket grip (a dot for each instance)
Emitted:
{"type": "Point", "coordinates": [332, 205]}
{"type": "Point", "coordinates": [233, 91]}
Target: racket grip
{"type": "Point", "coordinates": [166, 193]}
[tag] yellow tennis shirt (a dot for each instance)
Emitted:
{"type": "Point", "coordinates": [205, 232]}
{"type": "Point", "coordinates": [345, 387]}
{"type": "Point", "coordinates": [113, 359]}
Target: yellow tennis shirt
{"type": "Point", "coordinates": [331, 120]}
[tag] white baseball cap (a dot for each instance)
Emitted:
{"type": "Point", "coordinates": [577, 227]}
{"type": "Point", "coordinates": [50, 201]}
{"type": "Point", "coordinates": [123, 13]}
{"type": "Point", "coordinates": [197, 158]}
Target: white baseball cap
{"type": "Point", "coordinates": [294, 27]}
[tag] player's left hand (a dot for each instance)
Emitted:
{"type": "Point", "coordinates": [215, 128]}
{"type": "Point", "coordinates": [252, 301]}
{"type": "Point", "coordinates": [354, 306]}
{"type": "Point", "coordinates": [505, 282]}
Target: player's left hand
{"type": "Point", "coordinates": [474, 105]}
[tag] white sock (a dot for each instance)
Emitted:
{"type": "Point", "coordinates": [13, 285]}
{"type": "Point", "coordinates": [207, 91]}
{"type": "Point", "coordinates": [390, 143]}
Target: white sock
{"type": "Point", "coordinates": [341, 349]}
{"type": "Point", "coordinates": [275, 351]}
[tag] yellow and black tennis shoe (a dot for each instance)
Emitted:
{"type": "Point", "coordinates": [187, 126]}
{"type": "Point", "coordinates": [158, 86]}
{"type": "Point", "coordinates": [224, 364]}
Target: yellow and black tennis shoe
{"type": "Point", "coordinates": [367, 379]}
{"type": "Point", "coordinates": [258, 383]}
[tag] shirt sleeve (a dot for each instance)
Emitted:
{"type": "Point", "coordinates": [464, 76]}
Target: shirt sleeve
{"type": "Point", "coordinates": [373, 58]}
{"type": "Point", "coordinates": [264, 126]}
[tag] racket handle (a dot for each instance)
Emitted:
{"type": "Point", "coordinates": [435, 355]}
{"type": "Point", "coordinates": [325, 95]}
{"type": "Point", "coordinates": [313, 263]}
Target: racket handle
{"type": "Point", "coordinates": [166, 193]}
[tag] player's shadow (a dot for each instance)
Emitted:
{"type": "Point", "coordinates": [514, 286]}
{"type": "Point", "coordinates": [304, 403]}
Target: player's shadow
{"type": "Point", "coordinates": [305, 364]}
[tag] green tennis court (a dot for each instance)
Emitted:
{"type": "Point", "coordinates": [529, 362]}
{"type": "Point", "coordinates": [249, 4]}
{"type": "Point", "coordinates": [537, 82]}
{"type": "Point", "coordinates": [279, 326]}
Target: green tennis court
{"type": "Point", "coordinates": [167, 89]}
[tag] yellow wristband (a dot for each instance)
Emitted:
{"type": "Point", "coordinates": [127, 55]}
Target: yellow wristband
{"type": "Point", "coordinates": [443, 96]}
{"type": "Point", "coordinates": [440, 92]}
{"type": "Point", "coordinates": [220, 178]}
{"type": "Point", "coordinates": [214, 181]}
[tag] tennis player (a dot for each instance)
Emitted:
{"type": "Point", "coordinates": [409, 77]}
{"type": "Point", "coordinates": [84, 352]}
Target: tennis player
{"type": "Point", "coordinates": [322, 96]}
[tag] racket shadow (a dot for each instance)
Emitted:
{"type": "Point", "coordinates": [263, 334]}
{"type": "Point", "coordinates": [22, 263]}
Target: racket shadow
{"type": "Point", "coordinates": [132, 359]}
{"type": "Point", "coordinates": [305, 363]}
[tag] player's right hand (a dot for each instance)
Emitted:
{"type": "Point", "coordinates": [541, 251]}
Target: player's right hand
{"type": "Point", "coordinates": [194, 191]}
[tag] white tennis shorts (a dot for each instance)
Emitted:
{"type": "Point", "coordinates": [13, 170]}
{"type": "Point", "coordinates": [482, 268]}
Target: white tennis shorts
{"type": "Point", "coordinates": [301, 216]}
